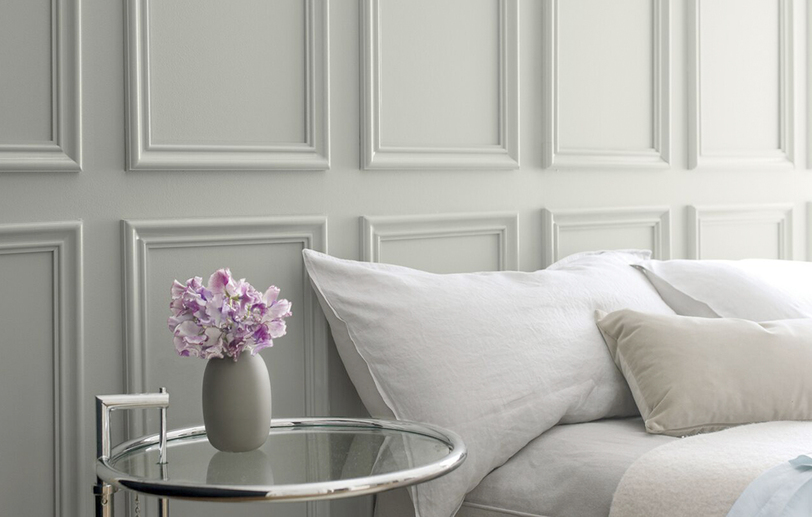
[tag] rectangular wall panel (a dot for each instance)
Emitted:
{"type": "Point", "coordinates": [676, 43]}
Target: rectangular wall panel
{"type": "Point", "coordinates": [446, 243]}
{"type": "Point", "coordinates": [193, 106]}
{"type": "Point", "coordinates": [572, 231]}
{"type": "Point", "coordinates": [264, 251]}
{"type": "Point", "coordinates": [739, 232]}
{"type": "Point", "coordinates": [41, 439]}
{"type": "Point", "coordinates": [740, 75]}
{"type": "Point", "coordinates": [441, 84]}
{"type": "Point", "coordinates": [40, 93]}
{"type": "Point", "coordinates": [606, 95]}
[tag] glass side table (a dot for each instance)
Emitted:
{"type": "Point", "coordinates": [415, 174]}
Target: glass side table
{"type": "Point", "coordinates": [305, 459]}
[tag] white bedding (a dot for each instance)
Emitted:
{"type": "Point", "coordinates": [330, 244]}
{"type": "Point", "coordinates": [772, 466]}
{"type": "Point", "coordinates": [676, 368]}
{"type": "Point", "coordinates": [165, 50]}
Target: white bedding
{"type": "Point", "coordinates": [497, 357]}
{"type": "Point", "coordinates": [574, 471]}
{"type": "Point", "coordinates": [706, 474]}
{"type": "Point", "coordinates": [569, 471]}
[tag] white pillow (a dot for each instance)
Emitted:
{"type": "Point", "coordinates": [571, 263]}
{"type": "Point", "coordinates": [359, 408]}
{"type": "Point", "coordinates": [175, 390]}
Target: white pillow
{"type": "Point", "coordinates": [754, 289]}
{"type": "Point", "coordinates": [497, 357]}
{"type": "Point", "coordinates": [691, 375]}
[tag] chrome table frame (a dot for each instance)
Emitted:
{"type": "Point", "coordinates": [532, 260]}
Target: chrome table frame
{"type": "Point", "coordinates": [109, 479]}
{"type": "Point", "coordinates": [105, 404]}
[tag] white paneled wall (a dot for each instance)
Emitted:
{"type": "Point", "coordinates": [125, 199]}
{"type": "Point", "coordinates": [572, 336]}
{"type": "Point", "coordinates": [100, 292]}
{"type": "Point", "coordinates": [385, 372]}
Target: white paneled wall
{"type": "Point", "coordinates": [40, 100]}
{"type": "Point", "coordinates": [741, 92]}
{"type": "Point", "coordinates": [444, 243]}
{"type": "Point", "coordinates": [737, 232]}
{"type": "Point", "coordinates": [201, 102]}
{"type": "Point", "coordinates": [607, 65]}
{"type": "Point", "coordinates": [449, 106]}
{"type": "Point", "coordinates": [572, 231]}
{"type": "Point", "coordinates": [42, 371]}
{"type": "Point", "coordinates": [143, 141]}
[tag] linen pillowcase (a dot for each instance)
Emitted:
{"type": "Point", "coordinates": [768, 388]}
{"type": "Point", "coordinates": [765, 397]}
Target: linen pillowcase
{"type": "Point", "coordinates": [498, 357]}
{"type": "Point", "coordinates": [691, 375]}
{"type": "Point", "coordinates": [753, 289]}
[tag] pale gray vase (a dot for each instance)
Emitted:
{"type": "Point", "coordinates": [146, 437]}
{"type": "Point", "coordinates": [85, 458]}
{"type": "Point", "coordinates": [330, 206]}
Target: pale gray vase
{"type": "Point", "coordinates": [237, 403]}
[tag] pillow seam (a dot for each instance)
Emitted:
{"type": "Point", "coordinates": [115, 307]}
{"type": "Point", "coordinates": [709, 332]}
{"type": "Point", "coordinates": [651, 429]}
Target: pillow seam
{"type": "Point", "coordinates": [384, 395]}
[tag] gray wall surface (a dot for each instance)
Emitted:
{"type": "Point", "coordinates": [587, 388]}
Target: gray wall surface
{"type": "Point", "coordinates": [147, 140]}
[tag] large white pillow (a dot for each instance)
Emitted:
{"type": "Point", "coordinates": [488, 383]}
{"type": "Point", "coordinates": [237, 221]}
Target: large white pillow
{"type": "Point", "coordinates": [498, 357]}
{"type": "Point", "coordinates": [753, 289]}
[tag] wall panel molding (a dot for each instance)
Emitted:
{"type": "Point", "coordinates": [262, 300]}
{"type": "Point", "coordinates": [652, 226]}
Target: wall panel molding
{"type": "Point", "coordinates": [700, 217]}
{"type": "Point", "coordinates": [784, 156]}
{"type": "Point", "coordinates": [63, 241]}
{"type": "Point", "coordinates": [656, 157]}
{"type": "Point", "coordinates": [808, 234]}
{"type": "Point", "coordinates": [312, 154]}
{"type": "Point", "coordinates": [504, 155]}
{"type": "Point", "coordinates": [377, 230]}
{"type": "Point", "coordinates": [557, 222]}
{"type": "Point", "coordinates": [140, 237]}
{"type": "Point", "coordinates": [809, 94]}
{"type": "Point", "coordinates": [64, 151]}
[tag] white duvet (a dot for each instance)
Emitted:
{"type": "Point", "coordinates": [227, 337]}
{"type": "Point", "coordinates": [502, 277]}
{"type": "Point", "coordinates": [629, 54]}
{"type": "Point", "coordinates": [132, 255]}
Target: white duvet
{"type": "Point", "coordinates": [705, 474]}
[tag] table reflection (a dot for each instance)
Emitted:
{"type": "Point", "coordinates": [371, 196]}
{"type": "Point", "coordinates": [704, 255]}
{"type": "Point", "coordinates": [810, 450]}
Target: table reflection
{"type": "Point", "coordinates": [240, 468]}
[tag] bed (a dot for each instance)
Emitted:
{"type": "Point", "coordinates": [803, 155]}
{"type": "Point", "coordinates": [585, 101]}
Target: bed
{"type": "Point", "coordinates": [572, 385]}
{"type": "Point", "coordinates": [550, 474]}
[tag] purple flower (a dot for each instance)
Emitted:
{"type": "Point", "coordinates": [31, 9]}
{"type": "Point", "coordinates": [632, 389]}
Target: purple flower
{"type": "Point", "coordinates": [177, 289]}
{"type": "Point", "coordinates": [276, 328]}
{"type": "Point", "coordinates": [279, 309]}
{"type": "Point", "coordinates": [224, 318]}
{"type": "Point", "coordinates": [220, 282]}
{"type": "Point", "coordinates": [271, 294]}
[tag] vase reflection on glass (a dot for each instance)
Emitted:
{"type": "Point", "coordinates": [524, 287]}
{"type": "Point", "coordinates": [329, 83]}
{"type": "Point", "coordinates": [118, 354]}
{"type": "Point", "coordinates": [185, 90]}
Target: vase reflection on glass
{"type": "Point", "coordinates": [237, 403]}
{"type": "Point", "coordinates": [247, 468]}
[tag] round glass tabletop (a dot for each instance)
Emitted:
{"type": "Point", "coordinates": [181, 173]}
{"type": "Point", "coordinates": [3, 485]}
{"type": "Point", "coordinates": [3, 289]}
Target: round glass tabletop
{"type": "Point", "coordinates": [302, 460]}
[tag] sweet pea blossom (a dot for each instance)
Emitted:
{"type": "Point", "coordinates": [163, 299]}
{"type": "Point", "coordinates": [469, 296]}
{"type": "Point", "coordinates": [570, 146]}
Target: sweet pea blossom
{"type": "Point", "coordinates": [224, 318]}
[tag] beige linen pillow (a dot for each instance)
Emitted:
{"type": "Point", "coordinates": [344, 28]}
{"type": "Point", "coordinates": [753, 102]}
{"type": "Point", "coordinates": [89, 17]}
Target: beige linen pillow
{"type": "Point", "coordinates": [691, 375]}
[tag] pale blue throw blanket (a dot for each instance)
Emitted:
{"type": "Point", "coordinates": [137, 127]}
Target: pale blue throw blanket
{"type": "Point", "coordinates": [782, 491]}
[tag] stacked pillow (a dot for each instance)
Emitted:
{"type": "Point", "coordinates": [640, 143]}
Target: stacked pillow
{"type": "Point", "coordinates": [498, 357]}
{"type": "Point", "coordinates": [715, 366]}
{"type": "Point", "coordinates": [757, 290]}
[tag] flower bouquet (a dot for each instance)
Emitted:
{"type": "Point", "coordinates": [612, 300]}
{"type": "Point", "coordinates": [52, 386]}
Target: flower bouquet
{"type": "Point", "coordinates": [219, 322]}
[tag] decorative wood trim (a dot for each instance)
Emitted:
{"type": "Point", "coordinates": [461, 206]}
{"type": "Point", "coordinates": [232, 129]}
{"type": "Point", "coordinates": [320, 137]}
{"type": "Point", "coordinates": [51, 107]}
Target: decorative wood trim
{"type": "Point", "coordinates": [64, 151]}
{"type": "Point", "coordinates": [808, 236]}
{"type": "Point", "coordinates": [657, 157]}
{"type": "Point", "coordinates": [139, 237]}
{"type": "Point", "coordinates": [504, 155]}
{"type": "Point", "coordinates": [784, 157]}
{"type": "Point", "coordinates": [63, 240]}
{"type": "Point", "coordinates": [657, 218]}
{"type": "Point", "coordinates": [505, 225]}
{"type": "Point", "coordinates": [313, 154]}
{"type": "Point", "coordinates": [779, 214]}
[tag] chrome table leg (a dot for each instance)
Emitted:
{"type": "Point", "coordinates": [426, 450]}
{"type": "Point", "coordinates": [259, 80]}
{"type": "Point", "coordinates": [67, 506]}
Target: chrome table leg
{"type": "Point", "coordinates": [103, 493]}
{"type": "Point", "coordinates": [163, 507]}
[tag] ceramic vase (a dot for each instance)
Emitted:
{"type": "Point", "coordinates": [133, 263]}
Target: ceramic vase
{"type": "Point", "coordinates": [237, 403]}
